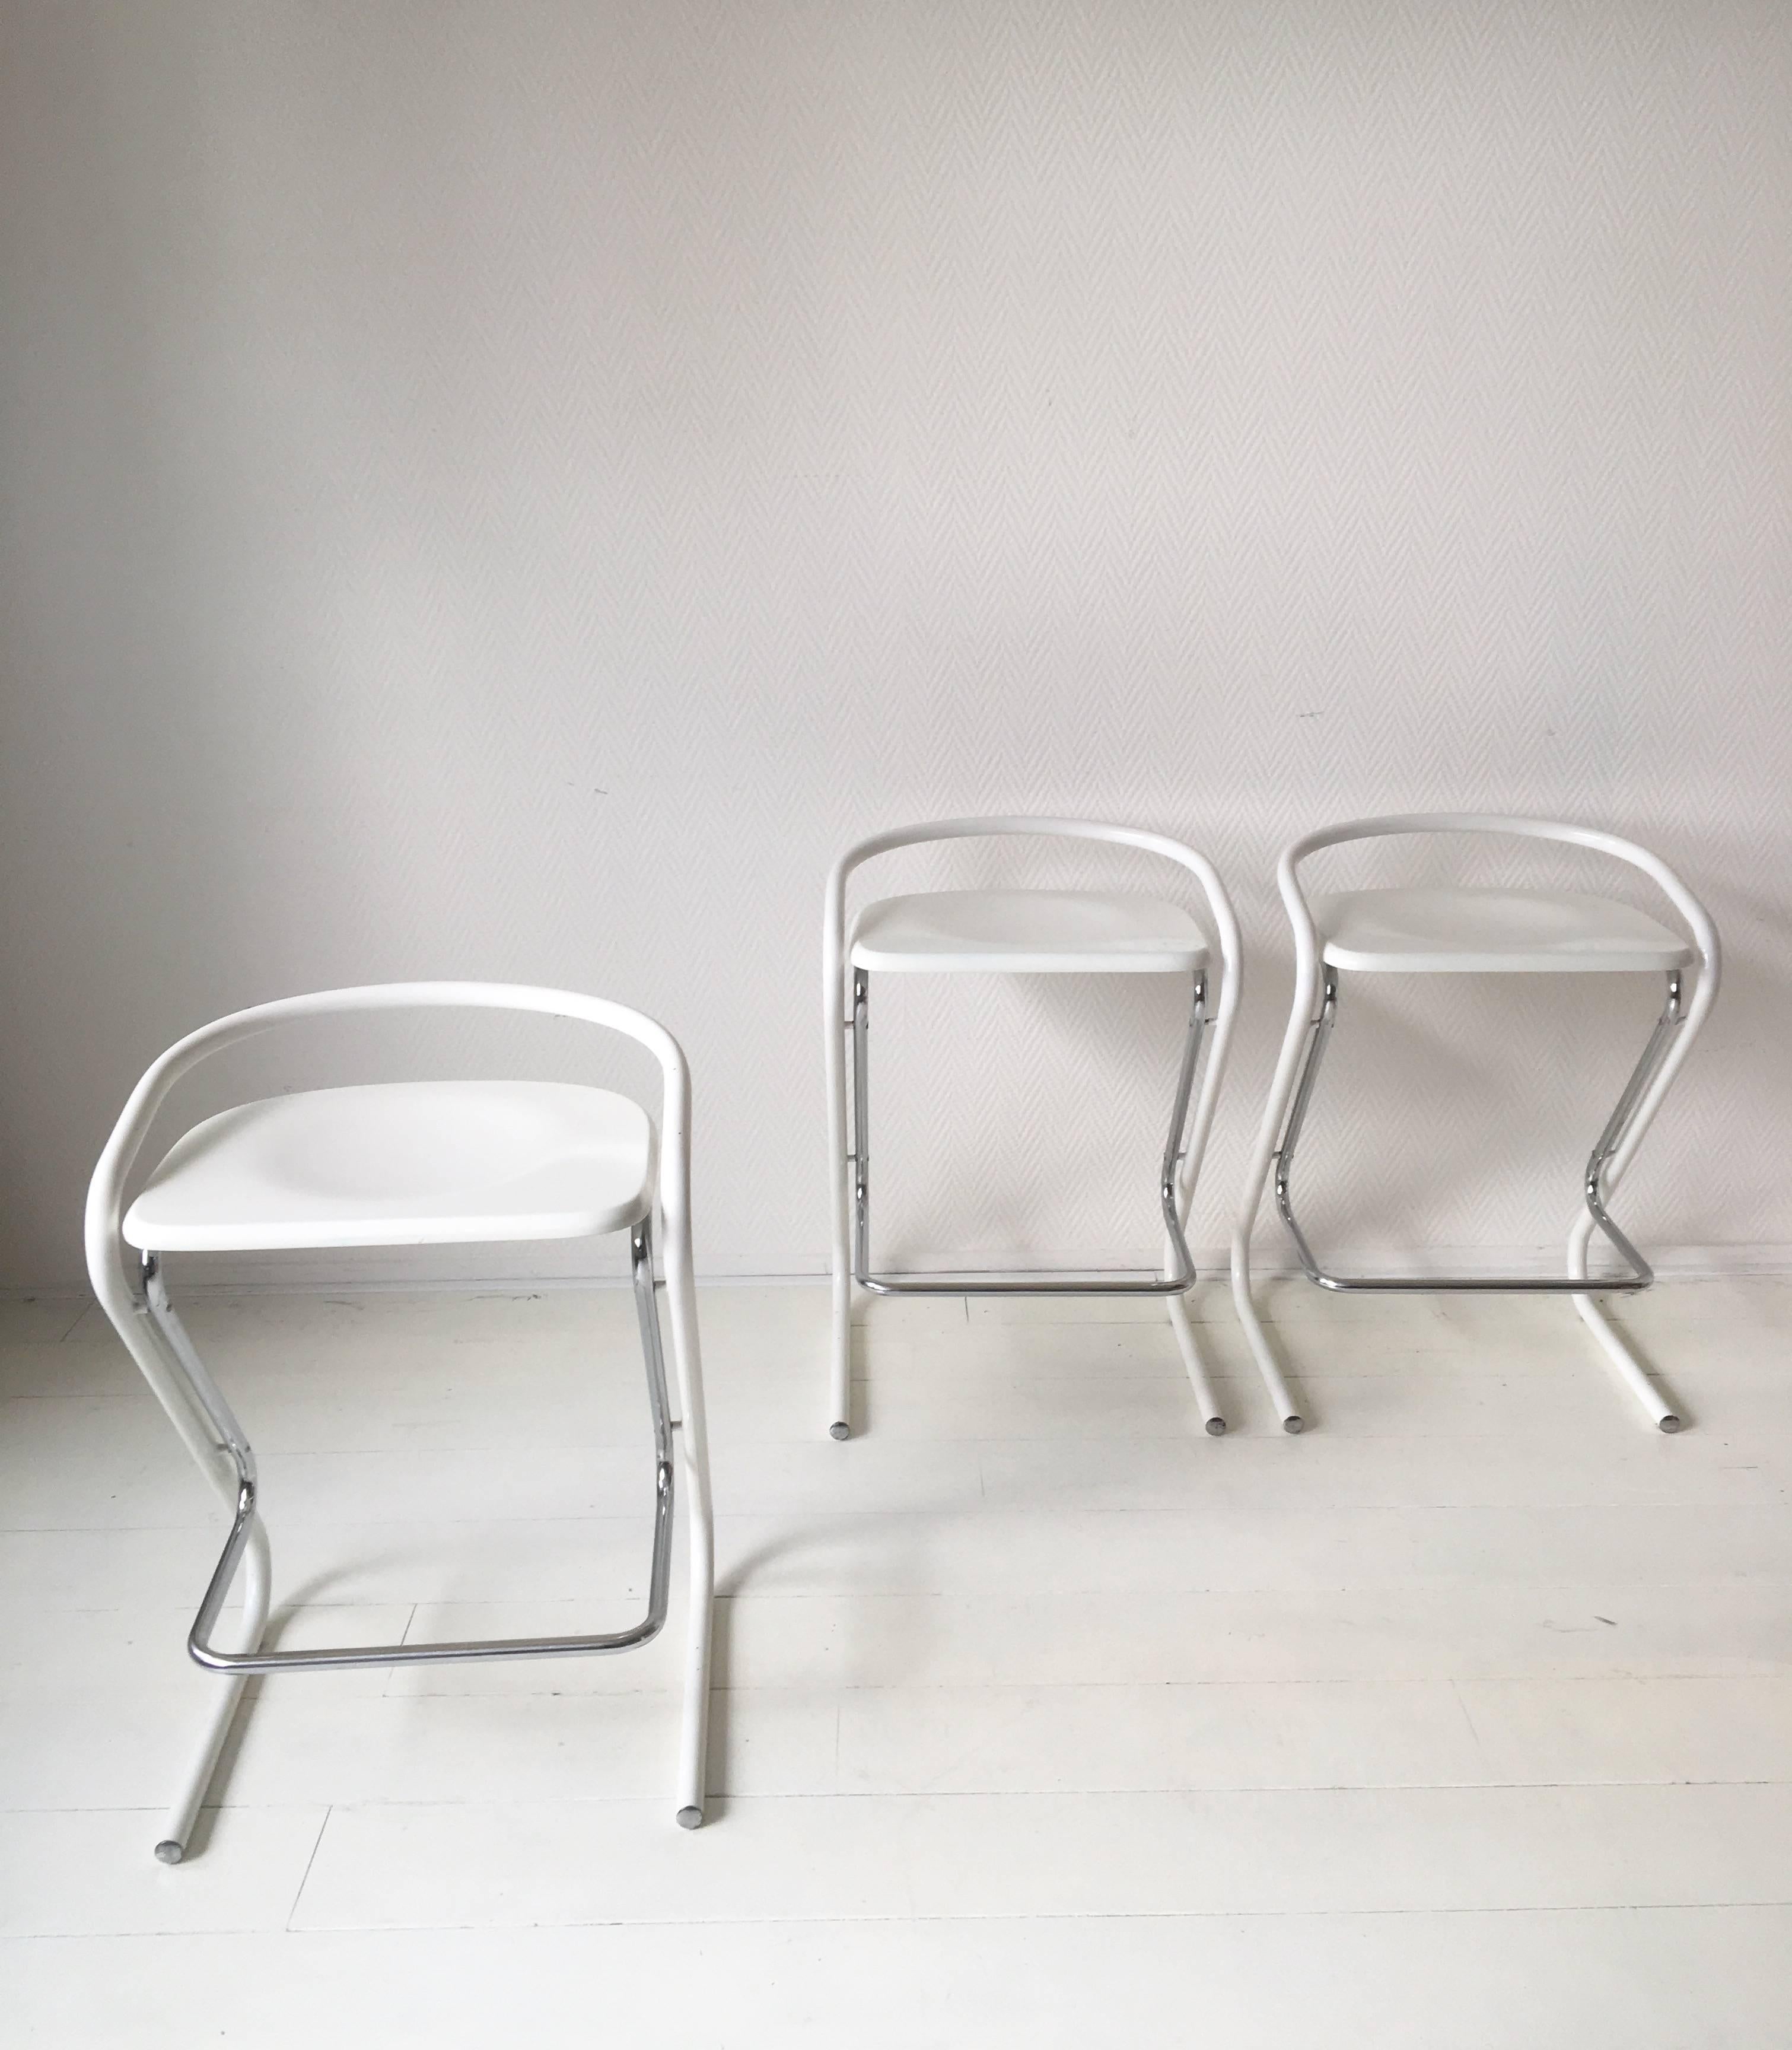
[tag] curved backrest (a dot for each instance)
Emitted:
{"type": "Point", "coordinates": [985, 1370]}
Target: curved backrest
{"type": "Point", "coordinates": [1225, 925]}
{"type": "Point", "coordinates": [111, 1273]}
{"type": "Point", "coordinates": [1698, 920]}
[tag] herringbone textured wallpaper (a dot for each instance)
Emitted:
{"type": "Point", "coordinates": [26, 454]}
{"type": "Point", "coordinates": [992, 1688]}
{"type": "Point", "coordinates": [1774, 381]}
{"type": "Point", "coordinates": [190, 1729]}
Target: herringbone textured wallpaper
{"type": "Point", "coordinates": [509, 489]}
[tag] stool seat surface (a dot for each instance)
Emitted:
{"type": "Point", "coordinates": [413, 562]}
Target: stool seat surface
{"type": "Point", "coordinates": [402, 1163]}
{"type": "Point", "coordinates": [1027, 932]}
{"type": "Point", "coordinates": [1481, 931]}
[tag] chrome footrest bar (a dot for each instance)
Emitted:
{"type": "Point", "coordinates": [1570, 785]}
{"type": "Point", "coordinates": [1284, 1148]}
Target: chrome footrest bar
{"type": "Point", "coordinates": [1177, 1282]}
{"type": "Point", "coordinates": [1641, 1276]}
{"type": "Point", "coordinates": [900, 1283]}
{"type": "Point", "coordinates": [335, 1657]}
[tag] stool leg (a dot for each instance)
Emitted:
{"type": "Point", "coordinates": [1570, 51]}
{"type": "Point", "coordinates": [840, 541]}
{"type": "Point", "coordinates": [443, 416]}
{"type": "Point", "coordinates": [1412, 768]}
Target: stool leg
{"type": "Point", "coordinates": [840, 1370]}
{"type": "Point", "coordinates": [681, 1297]}
{"type": "Point", "coordinates": [1628, 1367]}
{"type": "Point", "coordinates": [1611, 1158]}
{"type": "Point", "coordinates": [1316, 1046]}
{"type": "Point", "coordinates": [208, 1401]}
{"type": "Point", "coordinates": [1195, 1367]}
{"type": "Point", "coordinates": [1305, 1020]}
{"type": "Point", "coordinates": [861, 1121]}
{"type": "Point", "coordinates": [841, 1167]}
{"type": "Point", "coordinates": [1181, 1194]}
{"type": "Point", "coordinates": [853, 1183]}
{"type": "Point", "coordinates": [183, 1813]}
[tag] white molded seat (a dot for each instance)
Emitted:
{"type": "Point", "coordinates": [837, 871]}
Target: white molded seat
{"type": "Point", "coordinates": [1028, 932]}
{"type": "Point", "coordinates": [1491, 932]}
{"type": "Point", "coordinates": [402, 1163]}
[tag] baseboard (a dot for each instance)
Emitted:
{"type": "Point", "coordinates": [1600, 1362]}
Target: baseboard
{"type": "Point", "coordinates": [410, 1272]}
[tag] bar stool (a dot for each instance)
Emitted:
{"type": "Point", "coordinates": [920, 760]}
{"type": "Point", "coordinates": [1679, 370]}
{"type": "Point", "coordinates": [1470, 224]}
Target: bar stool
{"type": "Point", "coordinates": [405, 1164]}
{"type": "Point", "coordinates": [1017, 932]}
{"type": "Point", "coordinates": [1479, 932]}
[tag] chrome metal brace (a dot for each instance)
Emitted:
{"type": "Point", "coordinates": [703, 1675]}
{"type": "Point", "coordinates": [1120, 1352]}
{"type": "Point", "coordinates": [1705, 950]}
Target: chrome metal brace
{"type": "Point", "coordinates": [209, 1402]}
{"type": "Point", "coordinates": [1177, 1282]}
{"type": "Point", "coordinates": [1593, 1184]}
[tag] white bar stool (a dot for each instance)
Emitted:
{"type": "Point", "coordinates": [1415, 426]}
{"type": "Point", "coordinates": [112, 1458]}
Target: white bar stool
{"type": "Point", "coordinates": [1017, 932]}
{"type": "Point", "coordinates": [406, 1163]}
{"type": "Point", "coordinates": [1479, 932]}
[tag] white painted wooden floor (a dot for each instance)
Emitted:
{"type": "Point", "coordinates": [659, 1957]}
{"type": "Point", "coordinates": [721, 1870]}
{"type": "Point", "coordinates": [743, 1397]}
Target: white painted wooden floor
{"type": "Point", "coordinates": [1464, 1720]}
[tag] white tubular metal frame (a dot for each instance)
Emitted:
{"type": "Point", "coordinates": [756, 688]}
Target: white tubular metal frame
{"type": "Point", "coordinates": [1309, 1022]}
{"type": "Point", "coordinates": [133, 1293]}
{"type": "Point", "coordinates": [1213, 1021]}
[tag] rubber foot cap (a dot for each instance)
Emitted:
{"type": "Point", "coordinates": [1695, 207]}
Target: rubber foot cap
{"type": "Point", "coordinates": [840, 1430]}
{"type": "Point", "coordinates": [1216, 1427]}
{"type": "Point", "coordinates": [690, 1818]}
{"type": "Point", "coordinates": [169, 1852]}
{"type": "Point", "coordinates": [1670, 1424]}
{"type": "Point", "coordinates": [1294, 1425]}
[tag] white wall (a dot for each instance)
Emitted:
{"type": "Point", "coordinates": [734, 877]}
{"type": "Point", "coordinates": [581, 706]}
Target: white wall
{"type": "Point", "coordinates": [509, 490]}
